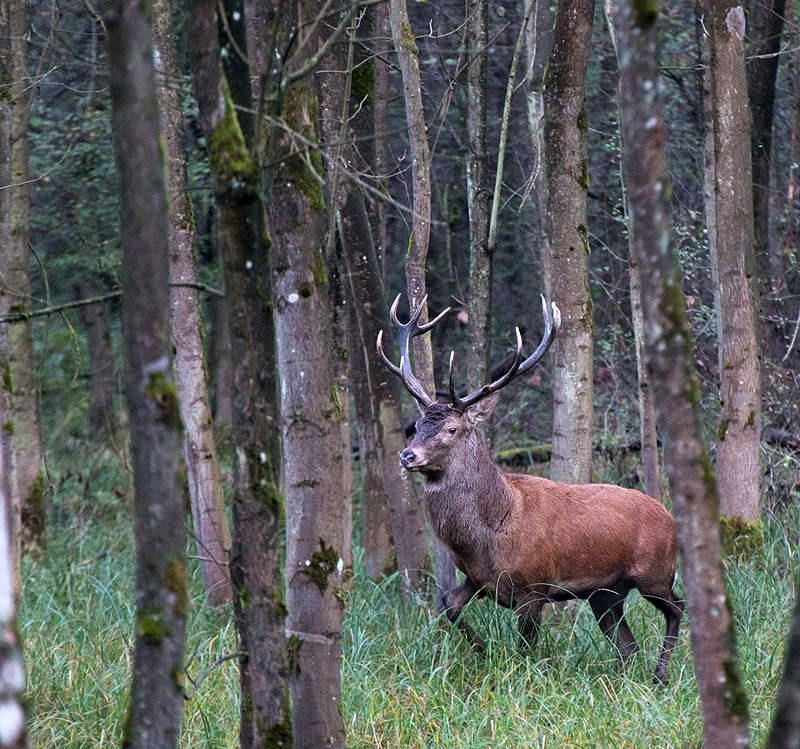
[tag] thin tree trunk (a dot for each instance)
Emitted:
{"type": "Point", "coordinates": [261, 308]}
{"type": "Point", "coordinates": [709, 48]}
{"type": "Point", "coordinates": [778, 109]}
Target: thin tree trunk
{"type": "Point", "coordinates": [27, 481]}
{"type": "Point", "coordinates": [538, 44]}
{"type": "Point", "coordinates": [258, 508]}
{"type": "Point", "coordinates": [10, 509]}
{"type": "Point", "coordinates": [316, 514]}
{"type": "Point", "coordinates": [479, 301]}
{"type": "Point", "coordinates": [101, 366]}
{"type": "Point", "coordinates": [651, 463]}
{"type": "Point", "coordinates": [733, 255]}
{"type": "Point", "coordinates": [200, 453]}
{"type": "Point", "coordinates": [668, 340]}
{"type": "Point", "coordinates": [764, 33]}
{"type": "Point", "coordinates": [785, 731]}
{"type": "Point", "coordinates": [407, 54]}
{"type": "Point", "coordinates": [162, 599]}
{"type": "Point", "coordinates": [12, 669]}
{"type": "Point", "coordinates": [568, 181]}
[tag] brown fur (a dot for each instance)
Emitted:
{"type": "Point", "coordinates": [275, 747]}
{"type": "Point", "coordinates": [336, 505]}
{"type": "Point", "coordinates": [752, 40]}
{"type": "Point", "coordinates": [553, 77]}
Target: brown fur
{"type": "Point", "coordinates": [525, 540]}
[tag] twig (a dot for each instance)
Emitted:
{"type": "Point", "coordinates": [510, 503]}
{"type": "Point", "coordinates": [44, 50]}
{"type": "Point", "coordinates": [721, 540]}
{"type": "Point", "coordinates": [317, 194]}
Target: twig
{"type": "Point", "coordinates": [794, 338]}
{"type": "Point", "coordinates": [216, 664]}
{"type": "Point", "coordinates": [22, 316]}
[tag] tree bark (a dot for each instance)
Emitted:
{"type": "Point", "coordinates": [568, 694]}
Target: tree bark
{"type": "Point", "coordinates": [211, 530]}
{"type": "Point", "coordinates": [668, 340]}
{"type": "Point", "coordinates": [568, 181]}
{"type": "Point", "coordinates": [12, 669]}
{"type": "Point", "coordinates": [162, 599]}
{"type": "Point", "coordinates": [408, 56]}
{"type": "Point", "coordinates": [764, 33]}
{"type": "Point", "coordinates": [102, 418]}
{"type": "Point", "coordinates": [258, 508]}
{"type": "Point", "coordinates": [479, 301]}
{"type": "Point", "coordinates": [648, 436]}
{"type": "Point", "coordinates": [314, 451]}
{"type": "Point", "coordinates": [785, 730]}
{"type": "Point", "coordinates": [733, 255]}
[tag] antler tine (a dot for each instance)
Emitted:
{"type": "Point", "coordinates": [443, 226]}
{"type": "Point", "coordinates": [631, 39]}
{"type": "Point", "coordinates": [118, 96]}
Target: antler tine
{"type": "Point", "coordinates": [406, 332]}
{"type": "Point", "coordinates": [461, 404]}
{"type": "Point", "coordinates": [551, 326]}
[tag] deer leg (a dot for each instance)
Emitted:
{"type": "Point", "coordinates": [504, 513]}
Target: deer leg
{"type": "Point", "coordinates": [607, 607]}
{"type": "Point", "coordinates": [454, 601]}
{"type": "Point", "coordinates": [529, 615]}
{"type": "Point", "coordinates": [672, 608]}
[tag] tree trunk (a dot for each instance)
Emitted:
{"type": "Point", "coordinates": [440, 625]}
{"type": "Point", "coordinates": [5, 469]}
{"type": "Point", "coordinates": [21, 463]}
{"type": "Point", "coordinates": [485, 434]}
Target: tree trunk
{"type": "Point", "coordinates": [200, 453]}
{"type": "Point", "coordinates": [538, 44]}
{"type": "Point", "coordinates": [479, 301]}
{"type": "Point", "coordinates": [162, 599]}
{"type": "Point", "coordinates": [407, 54]}
{"type": "Point", "coordinates": [568, 182]}
{"type": "Point", "coordinates": [764, 33]}
{"type": "Point", "coordinates": [314, 451]}
{"type": "Point", "coordinates": [733, 256]}
{"type": "Point", "coordinates": [258, 508]}
{"type": "Point", "coordinates": [102, 418]}
{"type": "Point", "coordinates": [25, 476]}
{"type": "Point", "coordinates": [785, 731]}
{"type": "Point", "coordinates": [668, 340]}
{"type": "Point", "coordinates": [12, 669]}
{"type": "Point", "coordinates": [651, 463]}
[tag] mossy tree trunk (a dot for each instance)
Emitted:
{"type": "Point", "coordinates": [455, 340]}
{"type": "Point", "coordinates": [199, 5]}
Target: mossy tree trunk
{"type": "Point", "coordinates": [210, 522]}
{"type": "Point", "coordinates": [317, 541]}
{"type": "Point", "coordinates": [648, 435]}
{"type": "Point", "coordinates": [568, 182]}
{"type": "Point", "coordinates": [162, 599]}
{"type": "Point", "coordinates": [733, 257]}
{"type": "Point", "coordinates": [668, 340]}
{"type": "Point", "coordinates": [258, 508]}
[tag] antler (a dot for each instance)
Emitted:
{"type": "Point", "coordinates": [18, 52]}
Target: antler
{"type": "Point", "coordinates": [518, 367]}
{"type": "Point", "coordinates": [406, 332]}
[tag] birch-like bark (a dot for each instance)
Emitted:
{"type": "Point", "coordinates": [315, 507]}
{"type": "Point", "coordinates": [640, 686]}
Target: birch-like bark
{"type": "Point", "coordinates": [211, 530]}
{"type": "Point", "coordinates": [668, 340]}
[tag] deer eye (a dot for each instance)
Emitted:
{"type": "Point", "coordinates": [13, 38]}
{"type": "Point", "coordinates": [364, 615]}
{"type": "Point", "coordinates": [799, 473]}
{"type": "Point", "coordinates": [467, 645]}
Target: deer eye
{"type": "Point", "coordinates": [452, 430]}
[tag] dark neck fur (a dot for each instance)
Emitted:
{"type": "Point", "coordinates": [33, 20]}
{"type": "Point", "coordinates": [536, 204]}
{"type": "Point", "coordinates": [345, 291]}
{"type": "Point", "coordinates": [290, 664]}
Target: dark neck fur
{"type": "Point", "coordinates": [468, 501]}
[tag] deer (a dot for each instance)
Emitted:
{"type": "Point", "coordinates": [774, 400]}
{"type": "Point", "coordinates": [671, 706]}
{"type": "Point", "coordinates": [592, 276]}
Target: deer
{"type": "Point", "coordinates": [524, 540]}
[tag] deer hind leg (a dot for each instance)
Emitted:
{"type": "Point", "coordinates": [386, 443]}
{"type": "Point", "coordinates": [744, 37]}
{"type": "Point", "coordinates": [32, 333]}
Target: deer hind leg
{"type": "Point", "coordinates": [454, 601]}
{"type": "Point", "coordinates": [608, 608]}
{"type": "Point", "coordinates": [672, 608]}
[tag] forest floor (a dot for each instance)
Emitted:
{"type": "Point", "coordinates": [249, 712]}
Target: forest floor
{"type": "Point", "coordinates": [409, 680]}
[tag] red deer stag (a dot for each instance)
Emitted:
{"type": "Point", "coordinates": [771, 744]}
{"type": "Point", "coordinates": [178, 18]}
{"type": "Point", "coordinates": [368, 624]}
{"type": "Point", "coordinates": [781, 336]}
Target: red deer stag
{"type": "Point", "coordinates": [524, 540]}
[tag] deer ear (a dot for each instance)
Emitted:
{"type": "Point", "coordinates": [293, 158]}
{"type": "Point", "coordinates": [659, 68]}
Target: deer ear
{"type": "Point", "coordinates": [482, 410]}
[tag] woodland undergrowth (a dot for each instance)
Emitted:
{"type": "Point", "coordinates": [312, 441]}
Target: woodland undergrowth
{"type": "Point", "coordinates": [409, 680]}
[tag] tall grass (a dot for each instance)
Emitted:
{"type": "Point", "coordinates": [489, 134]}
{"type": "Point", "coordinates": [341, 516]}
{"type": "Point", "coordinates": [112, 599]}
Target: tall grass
{"type": "Point", "coordinates": [409, 680]}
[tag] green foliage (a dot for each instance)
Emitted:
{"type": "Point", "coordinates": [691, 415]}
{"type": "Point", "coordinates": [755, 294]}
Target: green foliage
{"type": "Point", "coordinates": [409, 679]}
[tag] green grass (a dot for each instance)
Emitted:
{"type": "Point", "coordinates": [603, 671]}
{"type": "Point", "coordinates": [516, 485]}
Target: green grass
{"type": "Point", "coordinates": [409, 680]}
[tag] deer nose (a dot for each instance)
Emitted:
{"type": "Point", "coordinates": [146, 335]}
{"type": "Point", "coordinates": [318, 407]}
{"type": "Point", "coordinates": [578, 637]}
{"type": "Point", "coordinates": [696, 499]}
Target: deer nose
{"type": "Point", "coordinates": [407, 458]}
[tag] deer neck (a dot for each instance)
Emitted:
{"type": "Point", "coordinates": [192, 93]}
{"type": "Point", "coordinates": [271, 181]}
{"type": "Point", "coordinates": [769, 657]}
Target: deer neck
{"type": "Point", "coordinates": [469, 501]}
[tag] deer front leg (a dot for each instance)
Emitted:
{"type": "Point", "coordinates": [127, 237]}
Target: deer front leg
{"type": "Point", "coordinates": [454, 601]}
{"type": "Point", "coordinates": [529, 615]}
